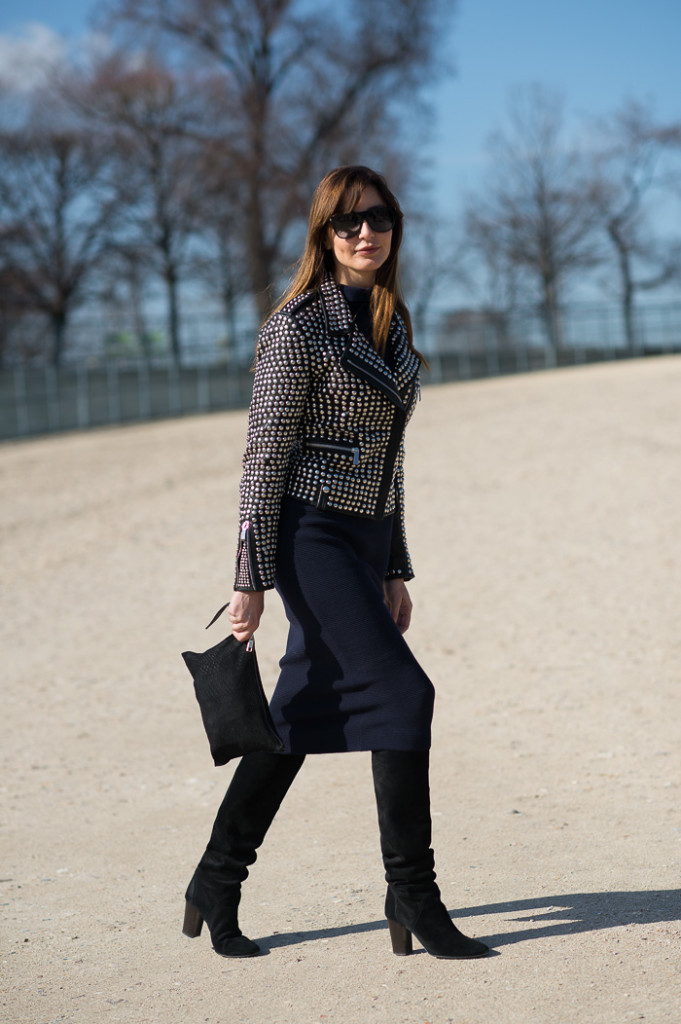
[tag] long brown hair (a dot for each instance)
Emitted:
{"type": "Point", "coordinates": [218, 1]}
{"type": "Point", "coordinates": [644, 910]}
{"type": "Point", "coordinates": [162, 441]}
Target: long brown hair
{"type": "Point", "coordinates": [339, 192]}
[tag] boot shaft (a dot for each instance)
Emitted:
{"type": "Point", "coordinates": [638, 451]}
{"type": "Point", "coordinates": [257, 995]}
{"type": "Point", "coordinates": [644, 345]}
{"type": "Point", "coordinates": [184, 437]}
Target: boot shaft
{"type": "Point", "coordinates": [402, 790]}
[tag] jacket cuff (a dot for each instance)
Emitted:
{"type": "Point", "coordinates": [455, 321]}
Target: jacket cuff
{"type": "Point", "coordinates": [253, 573]}
{"type": "Point", "coordinates": [400, 574]}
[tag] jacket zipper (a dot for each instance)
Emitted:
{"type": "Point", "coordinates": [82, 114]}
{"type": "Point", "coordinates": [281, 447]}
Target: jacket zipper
{"type": "Point", "coordinates": [396, 434]}
{"type": "Point", "coordinates": [382, 384]}
{"type": "Point", "coordinates": [329, 446]}
{"type": "Point", "coordinates": [246, 541]}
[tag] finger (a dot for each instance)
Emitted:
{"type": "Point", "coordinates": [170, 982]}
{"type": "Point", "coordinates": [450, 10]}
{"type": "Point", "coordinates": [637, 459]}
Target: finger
{"type": "Point", "coordinates": [404, 618]}
{"type": "Point", "coordinates": [247, 623]}
{"type": "Point", "coordinates": [242, 634]}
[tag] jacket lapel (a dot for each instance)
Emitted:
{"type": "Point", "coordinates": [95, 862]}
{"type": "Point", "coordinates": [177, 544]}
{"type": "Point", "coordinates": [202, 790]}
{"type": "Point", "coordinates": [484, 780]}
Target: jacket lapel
{"type": "Point", "coordinates": [360, 357]}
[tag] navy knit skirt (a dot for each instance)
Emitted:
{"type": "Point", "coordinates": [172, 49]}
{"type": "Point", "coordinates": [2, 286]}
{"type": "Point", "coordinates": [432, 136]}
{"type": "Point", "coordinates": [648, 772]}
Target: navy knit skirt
{"type": "Point", "coordinates": [348, 680]}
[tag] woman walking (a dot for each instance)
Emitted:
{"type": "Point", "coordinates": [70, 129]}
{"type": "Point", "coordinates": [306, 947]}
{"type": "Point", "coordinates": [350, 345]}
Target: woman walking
{"type": "Point", "coordinates": [322, 521]}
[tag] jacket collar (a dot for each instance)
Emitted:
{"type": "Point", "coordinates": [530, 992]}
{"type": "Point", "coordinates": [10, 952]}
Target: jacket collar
{"type": "Point", "coordinates": [336, 310]}
{"type": "Point", "coordinates": [360, 357]}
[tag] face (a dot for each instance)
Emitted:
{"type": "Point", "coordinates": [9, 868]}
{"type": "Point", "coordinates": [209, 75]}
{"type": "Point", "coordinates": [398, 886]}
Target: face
{"type": "Point", "coordinates": [357, 259]}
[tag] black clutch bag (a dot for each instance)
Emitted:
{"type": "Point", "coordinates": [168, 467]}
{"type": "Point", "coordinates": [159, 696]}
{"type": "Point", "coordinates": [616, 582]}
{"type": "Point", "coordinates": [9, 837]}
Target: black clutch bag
{"type": "Point", "coordinates": [234, 709]}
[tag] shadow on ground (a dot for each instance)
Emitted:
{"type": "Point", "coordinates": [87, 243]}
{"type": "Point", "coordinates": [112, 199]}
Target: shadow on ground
{"type": "Point", "coordinates": [566, 914]}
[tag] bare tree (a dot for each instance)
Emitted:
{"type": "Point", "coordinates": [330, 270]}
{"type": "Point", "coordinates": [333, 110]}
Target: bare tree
{"type": "Point", "coordinates": [437, 257]}
{"type": "Point", "coordinates": [536, 215]}
{"type": "Point", "coordinates": [306, 87]}
{"type": "Point", "coordinates": [123, 288]}
{"type": "Point", "coordinates": [151, 116]}
{"type": "Point", "coordinates": [630, 165]}
{"type": "Point", "coordinates": [57, 211]}
{"type": "Point", "coordinates": [222, 197]}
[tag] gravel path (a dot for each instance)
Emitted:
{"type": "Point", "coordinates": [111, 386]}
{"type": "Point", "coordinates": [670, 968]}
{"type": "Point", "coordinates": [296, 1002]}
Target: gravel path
{"type": "Point", "coordinates": [545, 527]}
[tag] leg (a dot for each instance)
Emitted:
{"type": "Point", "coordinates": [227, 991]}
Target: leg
{"type": "Point", "coordinates": [256, 791]}
{"type": "Point", "coordinates": [413, 903]}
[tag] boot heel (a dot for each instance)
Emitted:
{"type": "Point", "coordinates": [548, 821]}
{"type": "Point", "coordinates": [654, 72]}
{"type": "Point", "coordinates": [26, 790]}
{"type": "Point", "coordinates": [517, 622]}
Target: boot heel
{"type": "Point", "coordinates": [400, 938]}
{"type": "Point", "coordinates": [193, 922]}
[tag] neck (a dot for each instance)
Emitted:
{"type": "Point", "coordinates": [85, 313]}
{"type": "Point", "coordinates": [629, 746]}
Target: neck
{"type": "Point", "coordinates": [355, 278]}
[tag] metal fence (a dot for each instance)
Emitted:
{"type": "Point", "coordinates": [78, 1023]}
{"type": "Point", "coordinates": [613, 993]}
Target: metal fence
{"type": "Point", "coordinates": [114, 376]}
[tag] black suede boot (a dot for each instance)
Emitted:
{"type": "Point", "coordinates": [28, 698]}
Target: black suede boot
{"type": "Point", "coordinates": [256, 791]}
{"type": "Point", "coordinates": [413, 904]}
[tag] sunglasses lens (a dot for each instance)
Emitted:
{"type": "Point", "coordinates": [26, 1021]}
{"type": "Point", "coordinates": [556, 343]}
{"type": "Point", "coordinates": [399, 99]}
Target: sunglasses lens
{"type": "Point", "coordinates": [380, 218]}
{"type": "Point", "coordinates": [346, 224]}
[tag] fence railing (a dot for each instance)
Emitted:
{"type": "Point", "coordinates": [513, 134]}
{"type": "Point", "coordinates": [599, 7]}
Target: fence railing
{"type": "Point", "coordinates": [118, 383]}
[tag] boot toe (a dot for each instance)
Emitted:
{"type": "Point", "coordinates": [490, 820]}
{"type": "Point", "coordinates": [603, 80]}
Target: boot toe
{"type": "Point", "coordinates": [465, 949]}
{"type": "Point", "coordinates": [236, 947]}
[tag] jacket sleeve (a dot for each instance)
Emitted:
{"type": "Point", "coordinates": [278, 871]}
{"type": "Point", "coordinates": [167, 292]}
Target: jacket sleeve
{"type": "Point", "coordinates": [280, 388]}
{"type": "Point", "coordinates": [399, 565]}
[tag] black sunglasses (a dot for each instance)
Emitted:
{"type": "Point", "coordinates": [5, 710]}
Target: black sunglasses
{"type": "Point", "coordinates": [379, 218]}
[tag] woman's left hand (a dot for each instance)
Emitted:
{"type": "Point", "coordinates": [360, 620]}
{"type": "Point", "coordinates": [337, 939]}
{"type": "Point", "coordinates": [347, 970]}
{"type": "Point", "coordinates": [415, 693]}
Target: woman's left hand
{"type": "Point", "coordinates": [398, 602]}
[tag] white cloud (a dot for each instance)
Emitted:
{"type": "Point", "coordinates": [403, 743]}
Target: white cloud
{"type": "Point", "coordinates": [29, 56]}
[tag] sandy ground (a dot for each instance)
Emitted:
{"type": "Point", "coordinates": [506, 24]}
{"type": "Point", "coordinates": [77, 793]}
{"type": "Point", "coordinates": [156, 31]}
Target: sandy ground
{"type": "Point", "coordinates": [545, 526]}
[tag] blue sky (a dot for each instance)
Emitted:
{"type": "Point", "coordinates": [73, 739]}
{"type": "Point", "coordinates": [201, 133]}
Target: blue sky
{"type": "Point", "coordinates": [598, 52]}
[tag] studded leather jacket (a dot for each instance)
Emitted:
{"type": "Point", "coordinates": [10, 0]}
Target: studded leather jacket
{"type": "Point", "coordinates": [326, 425]}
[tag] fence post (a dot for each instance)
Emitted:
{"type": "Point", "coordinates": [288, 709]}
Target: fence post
{"type": "Point", "coordinates": [52, 393]}
{"type": "Point", "coordinates": [464, 359]}
{"type": "Point", "coordinates": [202, 389]}
{"type": "Point", "coordinates": [173, 389]}
{"type": "Point", "coordinates": [433, 354]}
{"type": "Point", "coordinates": [578, 346]}
{"type": "Point", "coordinates": [522, 364]}
{"type": "Point", "coordinates": [82, 396]}
{"type": "Point", "coordinates": [21, 401]}
{"type": "Point", "coordinates": [491, 353]}
{"type": "Point", "coordinates": [608, 348]}
{"type": "Point", "coordinates": [113, 392]}
{"type": "Point", "coordinates": [144, 391]}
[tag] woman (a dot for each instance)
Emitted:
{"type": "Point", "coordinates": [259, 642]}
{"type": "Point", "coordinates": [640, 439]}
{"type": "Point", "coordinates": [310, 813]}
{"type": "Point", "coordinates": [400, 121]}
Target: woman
{"type": "Point", "coordinates": [322, 520]}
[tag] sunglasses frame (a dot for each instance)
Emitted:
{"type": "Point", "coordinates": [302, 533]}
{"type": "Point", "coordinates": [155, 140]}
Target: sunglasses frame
{"type": "Point", "coordinates": [364, 215]}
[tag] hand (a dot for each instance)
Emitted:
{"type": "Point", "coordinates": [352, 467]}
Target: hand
{"type": "Point", "coordinates": [245, 611]}
{"type": "Point", "coordinates": [398, 602]}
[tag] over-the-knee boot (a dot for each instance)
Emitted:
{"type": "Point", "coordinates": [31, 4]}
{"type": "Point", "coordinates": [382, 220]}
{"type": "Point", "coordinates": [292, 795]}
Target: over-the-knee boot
{"type": "Point", "coordinates": [256, 791]}
{"type": "Point", "coordinates": [413, 904]}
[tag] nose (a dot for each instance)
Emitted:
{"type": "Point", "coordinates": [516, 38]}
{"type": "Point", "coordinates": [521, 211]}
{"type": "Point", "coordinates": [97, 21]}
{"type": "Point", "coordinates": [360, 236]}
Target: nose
{"type": "Point", "coordinates": [365, 231]}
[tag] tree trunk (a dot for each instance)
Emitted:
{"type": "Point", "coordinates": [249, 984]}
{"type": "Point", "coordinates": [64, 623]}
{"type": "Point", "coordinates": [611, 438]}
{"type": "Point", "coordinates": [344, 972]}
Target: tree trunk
{"type": "Point", "coordinates": [628, 300]}
{"type": "Point", "coordinates": [229, 308]}
{"type": "Point", "coordinates": [259, 257]}
{"type": "Point", "coordinates": [144, 341]}
{"type": "Point", "coordinates": [260, 254]}
{"type": "Point", "coordinates": [173, 314]}
{"type": "Point", "coordinates": [627, 285]}
{"type": "Point", "coordinates": [629, 319]}
{"type": "Point", "coordinates": [552, 319]}
{"type": "Point", "coordinates": [58, 318]}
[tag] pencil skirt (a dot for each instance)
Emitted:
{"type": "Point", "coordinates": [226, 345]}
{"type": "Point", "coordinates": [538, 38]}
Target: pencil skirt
{"type": "Point", "coordinates": [348, 679]}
